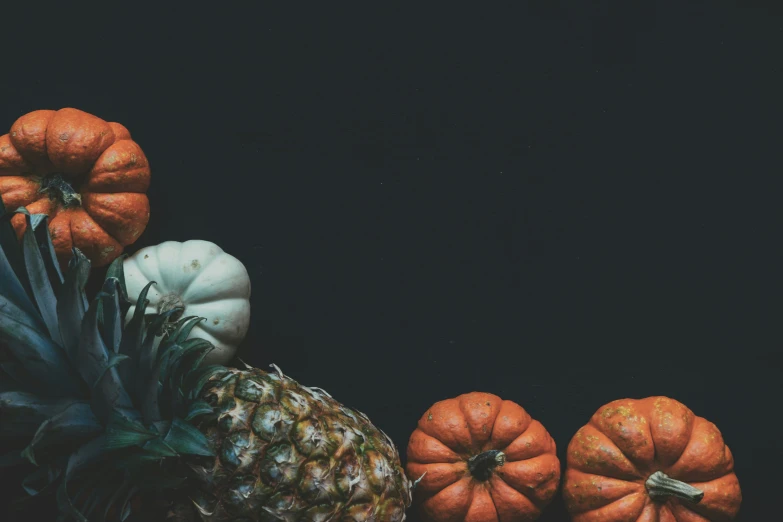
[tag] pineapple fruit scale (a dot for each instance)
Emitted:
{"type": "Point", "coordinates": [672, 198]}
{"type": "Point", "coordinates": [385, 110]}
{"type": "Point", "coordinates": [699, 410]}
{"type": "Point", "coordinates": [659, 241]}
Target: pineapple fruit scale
{"type": "Point", "coordinates": [110, 421]}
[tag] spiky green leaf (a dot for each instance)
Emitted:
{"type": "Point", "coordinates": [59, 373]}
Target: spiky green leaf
{"type": "Point", "coordinates": [18, 379]}
{"type": "Point", "coordinates": [22, 413]}
{"type": "Point", "coordinates": [73, 424]}
{"type": "Point", "coordinates": [109, 394]}
{"type": "Point", "coordinates": [115, 497]}
{"type": "Point", "coordinates": [130, 344]}
{"type": "Point", "coordinates": [38, 276]}
{"type": "Point", "coordinates": [198, 408]}
{"type": "Point", "coordinates": [149, 353]}
{"type": "Point", "coordinates": [86, 456]}
{"type": "Point", "coordinates": [189, 367]}
{"type": "Point", "coordinates": [41, 357]}
{"type": "Point", "coordinates": [197, 379]}
{"type": "Point", "coordinates": [72, 304]}
{"type": "Point", "coordinates": [142, 302]}
{"type": "Point", "coordinates": [178, 362]}
{"type": "Point", "coordinates": [99, 494]}
{"type": "Point", "coordinates": [159, 448]}
{"type": "Point", "coordinates": [40, 480]}
{"type": "Point", "coordinates": [117, 271]}
{"type": "Point", "coordinates": [95, 495]}
{"type": "Point", "coordinates": [125, 508]}
{"type": "Point", "coordinates": [93, 354]}
{"type": "Point", "coordinates": [49, 255]}
{"type": "Point", "coordinates": [187, 440]}
{"type": "Point", "coordinates": [111, 320]}
{"type": "Point", "coordinates": [159, 320]}
{"type": "Point", "coordinates": [114, 360]}
{"type": "Point", "coordinates": [184, 327]}
{"type": "Point", "coordinates": [150, 410]}
{"type": "Point", "coordinates": [162, 426]}
{"type": "Point", "coordinates": [174, 354]}
{"type": "Point", "coordinates": [122, 432]}
{"type": "Point", "coordinates": [13, 276]}
{"type": "Point", "coordinates": [189, 347]}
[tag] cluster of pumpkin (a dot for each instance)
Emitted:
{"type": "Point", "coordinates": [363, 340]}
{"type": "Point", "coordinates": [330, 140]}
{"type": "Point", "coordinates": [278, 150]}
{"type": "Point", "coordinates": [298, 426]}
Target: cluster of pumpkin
{"type": "Point", "coordinates": [474, 458]}
{"type": "Point", "coordinates": [478, 458]}
{"type": "Point", "coordinates": [43, 161]}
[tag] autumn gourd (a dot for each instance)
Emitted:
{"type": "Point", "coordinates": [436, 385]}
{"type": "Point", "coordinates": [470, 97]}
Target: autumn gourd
{"type": "Point", "coordinates": [650, 460]}
{"type": "Point", "coordinates": [479, 458]}
{"type": "Point", "coordinates": [194, 278]}
{"type": "Point", "coordinates": [86, 174]}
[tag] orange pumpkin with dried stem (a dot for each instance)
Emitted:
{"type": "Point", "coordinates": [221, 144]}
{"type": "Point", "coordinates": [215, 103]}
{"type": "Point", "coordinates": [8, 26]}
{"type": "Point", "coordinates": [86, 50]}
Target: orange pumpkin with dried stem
{"type": "Point", "coordinates": [86, 174]}
{"type": "Point", "coordinates": [478, 458]}
{"type": "Point", "coordinates": [650, 460]}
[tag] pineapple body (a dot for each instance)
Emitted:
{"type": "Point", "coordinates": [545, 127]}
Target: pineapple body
{"type": "Point", "coordinates": [284, 451]}
{"type": "Point", "coordinates": [113, 421]}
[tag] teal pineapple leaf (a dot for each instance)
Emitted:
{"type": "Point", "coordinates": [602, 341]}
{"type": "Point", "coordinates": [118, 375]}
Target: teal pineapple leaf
{"type": "Point", "coordinates": [122, 432]}
{"type": "Point", "coordinates": [132, 337]}
{"type": "Point", "coordinates": [45, 361]}
{"type": "Point", "coordinates": [117, 271]}
{"type": "Point", "coordinates": [10, 249]}
{"type": "Point", "coordinates": [49, 256]}
{"type": "Point", "coordinates": [94, 366]}
{"type": "Point", "coordinates": [74, 424]}
{"type": "Point", "coordinates": [111, 314]}
{"type": "Point", "coordinates": [198, 408]}
{"type": "Point", "coordinates": [149, 353]}
{"type": "Point", "coordinates": [184, 327]}
{"type": "Point", "coordinates": [38, 276]}
{"type": "Point", "coordinates": [198, 377]}
{"type": "Point", "coordinates": [150, 410]}
{"type": "Point", "coordinates": [72, 303]}
{"type": "Point", "coordinates": [158, 448]}
{"type": "Point", "coordinates": [86, 456]}
{"type": "Point", "coordinates": [14, 286]}
{"type": "Point", "coordinates": [73, 365]}
{"type": "Point", "coordinates": [187, 440]}
{"type": "Point", "coordinates": [115, 497]}
{"type": "Point", "coordinates": [18, 379]}
{"type": "Point", "coordinates": [41, 480]}
{"type": "Point", "coordinates": [22, 413]}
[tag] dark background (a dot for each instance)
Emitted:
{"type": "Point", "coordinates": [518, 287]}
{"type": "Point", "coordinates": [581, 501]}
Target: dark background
{"type": "Point", "coordinates": [564, 204]}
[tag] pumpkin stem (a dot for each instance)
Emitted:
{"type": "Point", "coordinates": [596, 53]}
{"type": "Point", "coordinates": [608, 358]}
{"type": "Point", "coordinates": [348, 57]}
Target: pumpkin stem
{"type": "Point", "coordinates": [170, 302]}
{"type": "Point", "coordinates": [481, 465]}
{"type": "Point", "coordinates": [660, 485]}
{"type": "Point", "coordinates": [59, 189]}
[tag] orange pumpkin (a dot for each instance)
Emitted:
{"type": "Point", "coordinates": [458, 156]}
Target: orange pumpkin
{"type": "Point", "coordinates": [650, 460]}
{"type": "Point", "coordinates": [478, 458]}
{"type": "Point", "coordinates": [86, 174]}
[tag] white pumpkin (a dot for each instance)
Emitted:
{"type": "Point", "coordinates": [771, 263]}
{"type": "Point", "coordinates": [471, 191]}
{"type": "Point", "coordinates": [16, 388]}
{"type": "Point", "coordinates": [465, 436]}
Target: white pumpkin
{"type": "Point", "coordinates": [201, 278]}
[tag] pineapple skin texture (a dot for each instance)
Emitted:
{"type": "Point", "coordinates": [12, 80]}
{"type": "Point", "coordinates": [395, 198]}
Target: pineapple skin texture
{"type": "Point", "coordinates": [288, 452]}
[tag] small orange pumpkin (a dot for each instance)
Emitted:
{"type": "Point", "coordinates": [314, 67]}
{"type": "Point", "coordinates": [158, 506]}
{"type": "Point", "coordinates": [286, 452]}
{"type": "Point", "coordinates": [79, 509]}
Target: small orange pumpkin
{"type": "Point", "coordinates": [650, 460]}
{"type": "Point", "coordinates": [478, 458]}
{"type": "Point", "coordinates": [86, 174]}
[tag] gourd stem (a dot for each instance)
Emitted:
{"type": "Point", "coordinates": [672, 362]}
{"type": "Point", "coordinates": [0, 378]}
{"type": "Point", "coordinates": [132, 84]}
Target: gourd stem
{"type": "Point", "coordinates": [167, 303]}
{"type": "Point", "coordinates": [482, 465]}
{"type": "Point", "coordinates": [170, 302]}
{"type": "Point", "coordinates": [660, 485]}
{"type": "Point", "coordinates": [57, 188]}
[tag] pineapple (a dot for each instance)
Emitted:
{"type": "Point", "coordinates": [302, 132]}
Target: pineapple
{"type": "Point", "coordinates": [115, 423]}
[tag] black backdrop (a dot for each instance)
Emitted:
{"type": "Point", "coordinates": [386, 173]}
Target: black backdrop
{"type": "Point", "coordinates": [563, 204]}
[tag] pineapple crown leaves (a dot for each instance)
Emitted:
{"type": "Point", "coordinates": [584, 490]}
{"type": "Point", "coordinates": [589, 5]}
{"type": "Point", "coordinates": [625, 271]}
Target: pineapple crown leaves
{"type": "Point", "coordinates": [80, 387]}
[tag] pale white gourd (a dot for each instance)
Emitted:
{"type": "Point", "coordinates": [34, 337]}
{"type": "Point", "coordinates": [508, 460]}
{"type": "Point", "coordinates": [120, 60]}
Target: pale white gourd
{"type": "Point", "coordinates": [203, 279]}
